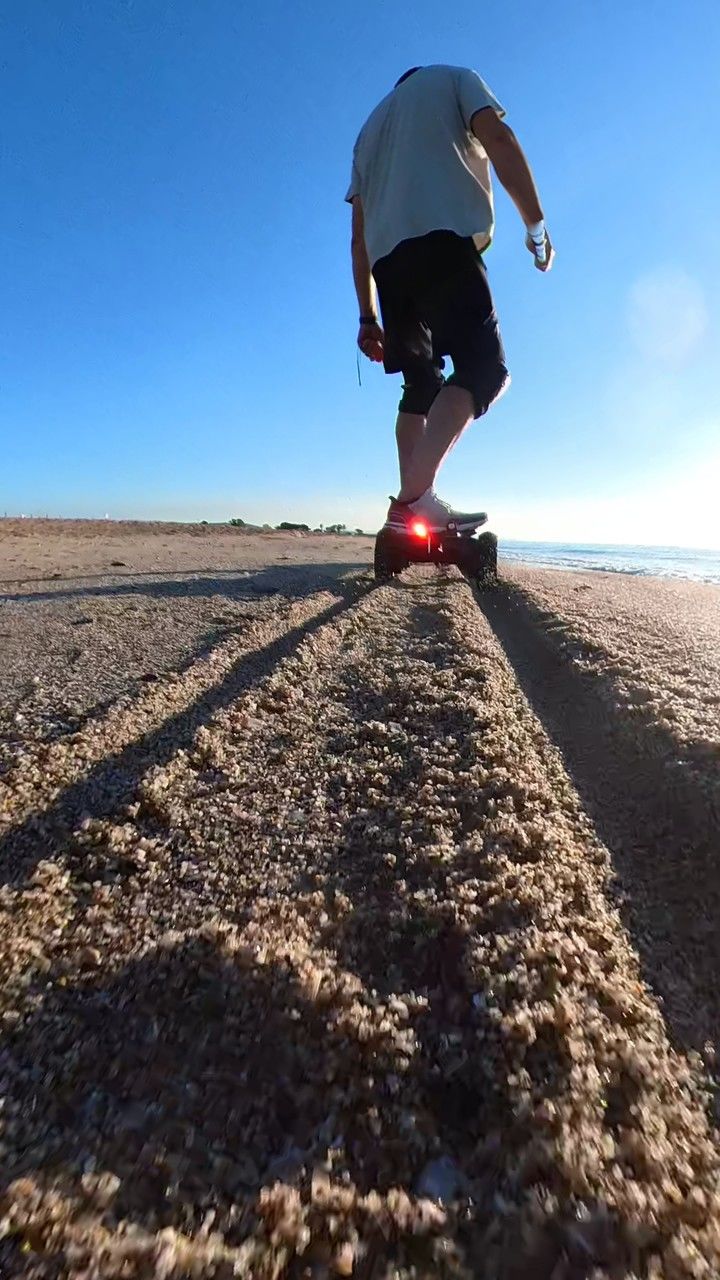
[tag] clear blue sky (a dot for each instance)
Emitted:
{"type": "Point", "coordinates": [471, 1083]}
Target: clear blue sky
{"type": "Point", "coordinates": [178, 319]}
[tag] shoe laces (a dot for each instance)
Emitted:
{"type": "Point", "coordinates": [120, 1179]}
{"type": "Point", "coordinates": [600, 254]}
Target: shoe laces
{"type": "Point", "coordinates": [440, 502]}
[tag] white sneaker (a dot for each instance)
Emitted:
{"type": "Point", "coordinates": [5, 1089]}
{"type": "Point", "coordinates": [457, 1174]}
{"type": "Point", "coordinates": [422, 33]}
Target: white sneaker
{"type": "Point", "coordinates": [433, 512]}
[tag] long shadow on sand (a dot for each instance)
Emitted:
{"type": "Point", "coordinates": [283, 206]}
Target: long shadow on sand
{"type": "Point", "coordinates": [111, 784]}
{"type": "Point", "coordinates": [297, 580]}
{"type": "Point", "coordinates": [656, 813]}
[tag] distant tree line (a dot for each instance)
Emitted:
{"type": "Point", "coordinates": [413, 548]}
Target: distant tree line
{"type": "Point", "coordinates": [289, 526]}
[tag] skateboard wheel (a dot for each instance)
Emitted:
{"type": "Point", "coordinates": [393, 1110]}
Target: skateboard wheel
{"type": "Point", "coordinates": [390, 556]}
{"type": "Point", "coordinates": [480, 559]}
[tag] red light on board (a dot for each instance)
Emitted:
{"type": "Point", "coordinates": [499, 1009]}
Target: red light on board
{"type": "Point", "coordinates": [419, 528]}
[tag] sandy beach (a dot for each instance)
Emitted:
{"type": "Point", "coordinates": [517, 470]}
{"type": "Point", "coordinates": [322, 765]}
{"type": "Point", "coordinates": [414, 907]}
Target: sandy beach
{"type": "Point", "coordinates": [352, 929]}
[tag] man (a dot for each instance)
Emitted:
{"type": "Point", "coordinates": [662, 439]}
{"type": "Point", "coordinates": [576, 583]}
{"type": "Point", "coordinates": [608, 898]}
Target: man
{"type": "Point", "coordinates": [422, 216]}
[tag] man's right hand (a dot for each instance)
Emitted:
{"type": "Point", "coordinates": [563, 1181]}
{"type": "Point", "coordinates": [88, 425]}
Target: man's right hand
{"type": "Point", "coordinates": [542, 264]}
{"type": "Point", "coordinates": [371, 342]}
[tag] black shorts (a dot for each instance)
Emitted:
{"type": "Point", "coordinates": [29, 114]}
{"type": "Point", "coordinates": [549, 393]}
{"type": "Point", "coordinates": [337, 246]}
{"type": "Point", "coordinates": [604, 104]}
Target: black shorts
{"type": "Point", "coordinates": [435, 302]}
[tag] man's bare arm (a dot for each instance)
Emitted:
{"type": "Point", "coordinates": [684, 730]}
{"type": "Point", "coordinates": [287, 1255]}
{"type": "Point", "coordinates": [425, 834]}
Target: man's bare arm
{"type": "Point", "coordinates": [510, 164]}
{"type": "Point", "coordinates": [508, 160]}
{"type": "Point", "coordinates": [370, 337]}
{"type": "Point", "coordinates": [362, 275]}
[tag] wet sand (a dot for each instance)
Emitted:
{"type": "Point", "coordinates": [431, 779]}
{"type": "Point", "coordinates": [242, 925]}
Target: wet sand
{"type": "Point", "coordinates": [353, 930]}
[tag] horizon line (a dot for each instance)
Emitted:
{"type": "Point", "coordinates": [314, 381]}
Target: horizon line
{"type": "Point", "coordinates": [346, 531]}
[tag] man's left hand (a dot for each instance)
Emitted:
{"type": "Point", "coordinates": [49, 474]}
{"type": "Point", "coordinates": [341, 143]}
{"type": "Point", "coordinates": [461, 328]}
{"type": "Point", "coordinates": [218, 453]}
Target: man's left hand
{"type": "Point", "coordinates": [371, 342]}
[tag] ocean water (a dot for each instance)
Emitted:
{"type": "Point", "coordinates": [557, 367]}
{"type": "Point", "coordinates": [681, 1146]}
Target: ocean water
{"type": "Point", "coordinates": [659, 562]}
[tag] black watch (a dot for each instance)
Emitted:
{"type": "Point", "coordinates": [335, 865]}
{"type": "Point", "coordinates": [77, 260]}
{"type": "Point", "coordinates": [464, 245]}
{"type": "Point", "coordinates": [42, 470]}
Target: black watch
{"type": "Point", "coordinates": [368, 320]}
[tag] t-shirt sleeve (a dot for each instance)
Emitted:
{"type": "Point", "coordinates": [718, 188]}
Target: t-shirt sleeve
{"type": "Point", "coordinates": [354, 188]}
{"type": "Point", "coordinates": [474, 95]}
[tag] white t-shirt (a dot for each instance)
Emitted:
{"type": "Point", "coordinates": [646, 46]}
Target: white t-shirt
{"type": "Point", "coordinates": [416, 165]}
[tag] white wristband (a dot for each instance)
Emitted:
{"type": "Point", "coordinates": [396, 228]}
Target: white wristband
{"type": "Point", "coordinates": [538, 235]}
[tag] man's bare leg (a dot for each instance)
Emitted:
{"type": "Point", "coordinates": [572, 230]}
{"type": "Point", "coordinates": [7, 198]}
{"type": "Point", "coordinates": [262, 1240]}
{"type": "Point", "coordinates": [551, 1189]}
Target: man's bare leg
{"type": "Point", "coordinates": [451, 412]}
{"type": "Point", "coordinates": [409, 432]}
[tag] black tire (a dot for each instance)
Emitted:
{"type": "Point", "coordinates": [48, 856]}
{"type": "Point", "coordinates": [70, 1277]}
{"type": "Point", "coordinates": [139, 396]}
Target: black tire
{"type": "Point", "coordinates": [390, 556]}
{"type": "Point", "coordinates": [480, 560]}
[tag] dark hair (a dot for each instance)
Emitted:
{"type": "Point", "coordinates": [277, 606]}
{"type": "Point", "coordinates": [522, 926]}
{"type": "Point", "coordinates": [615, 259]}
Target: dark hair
{"type": "Point", "coordinates": [406, 75]}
